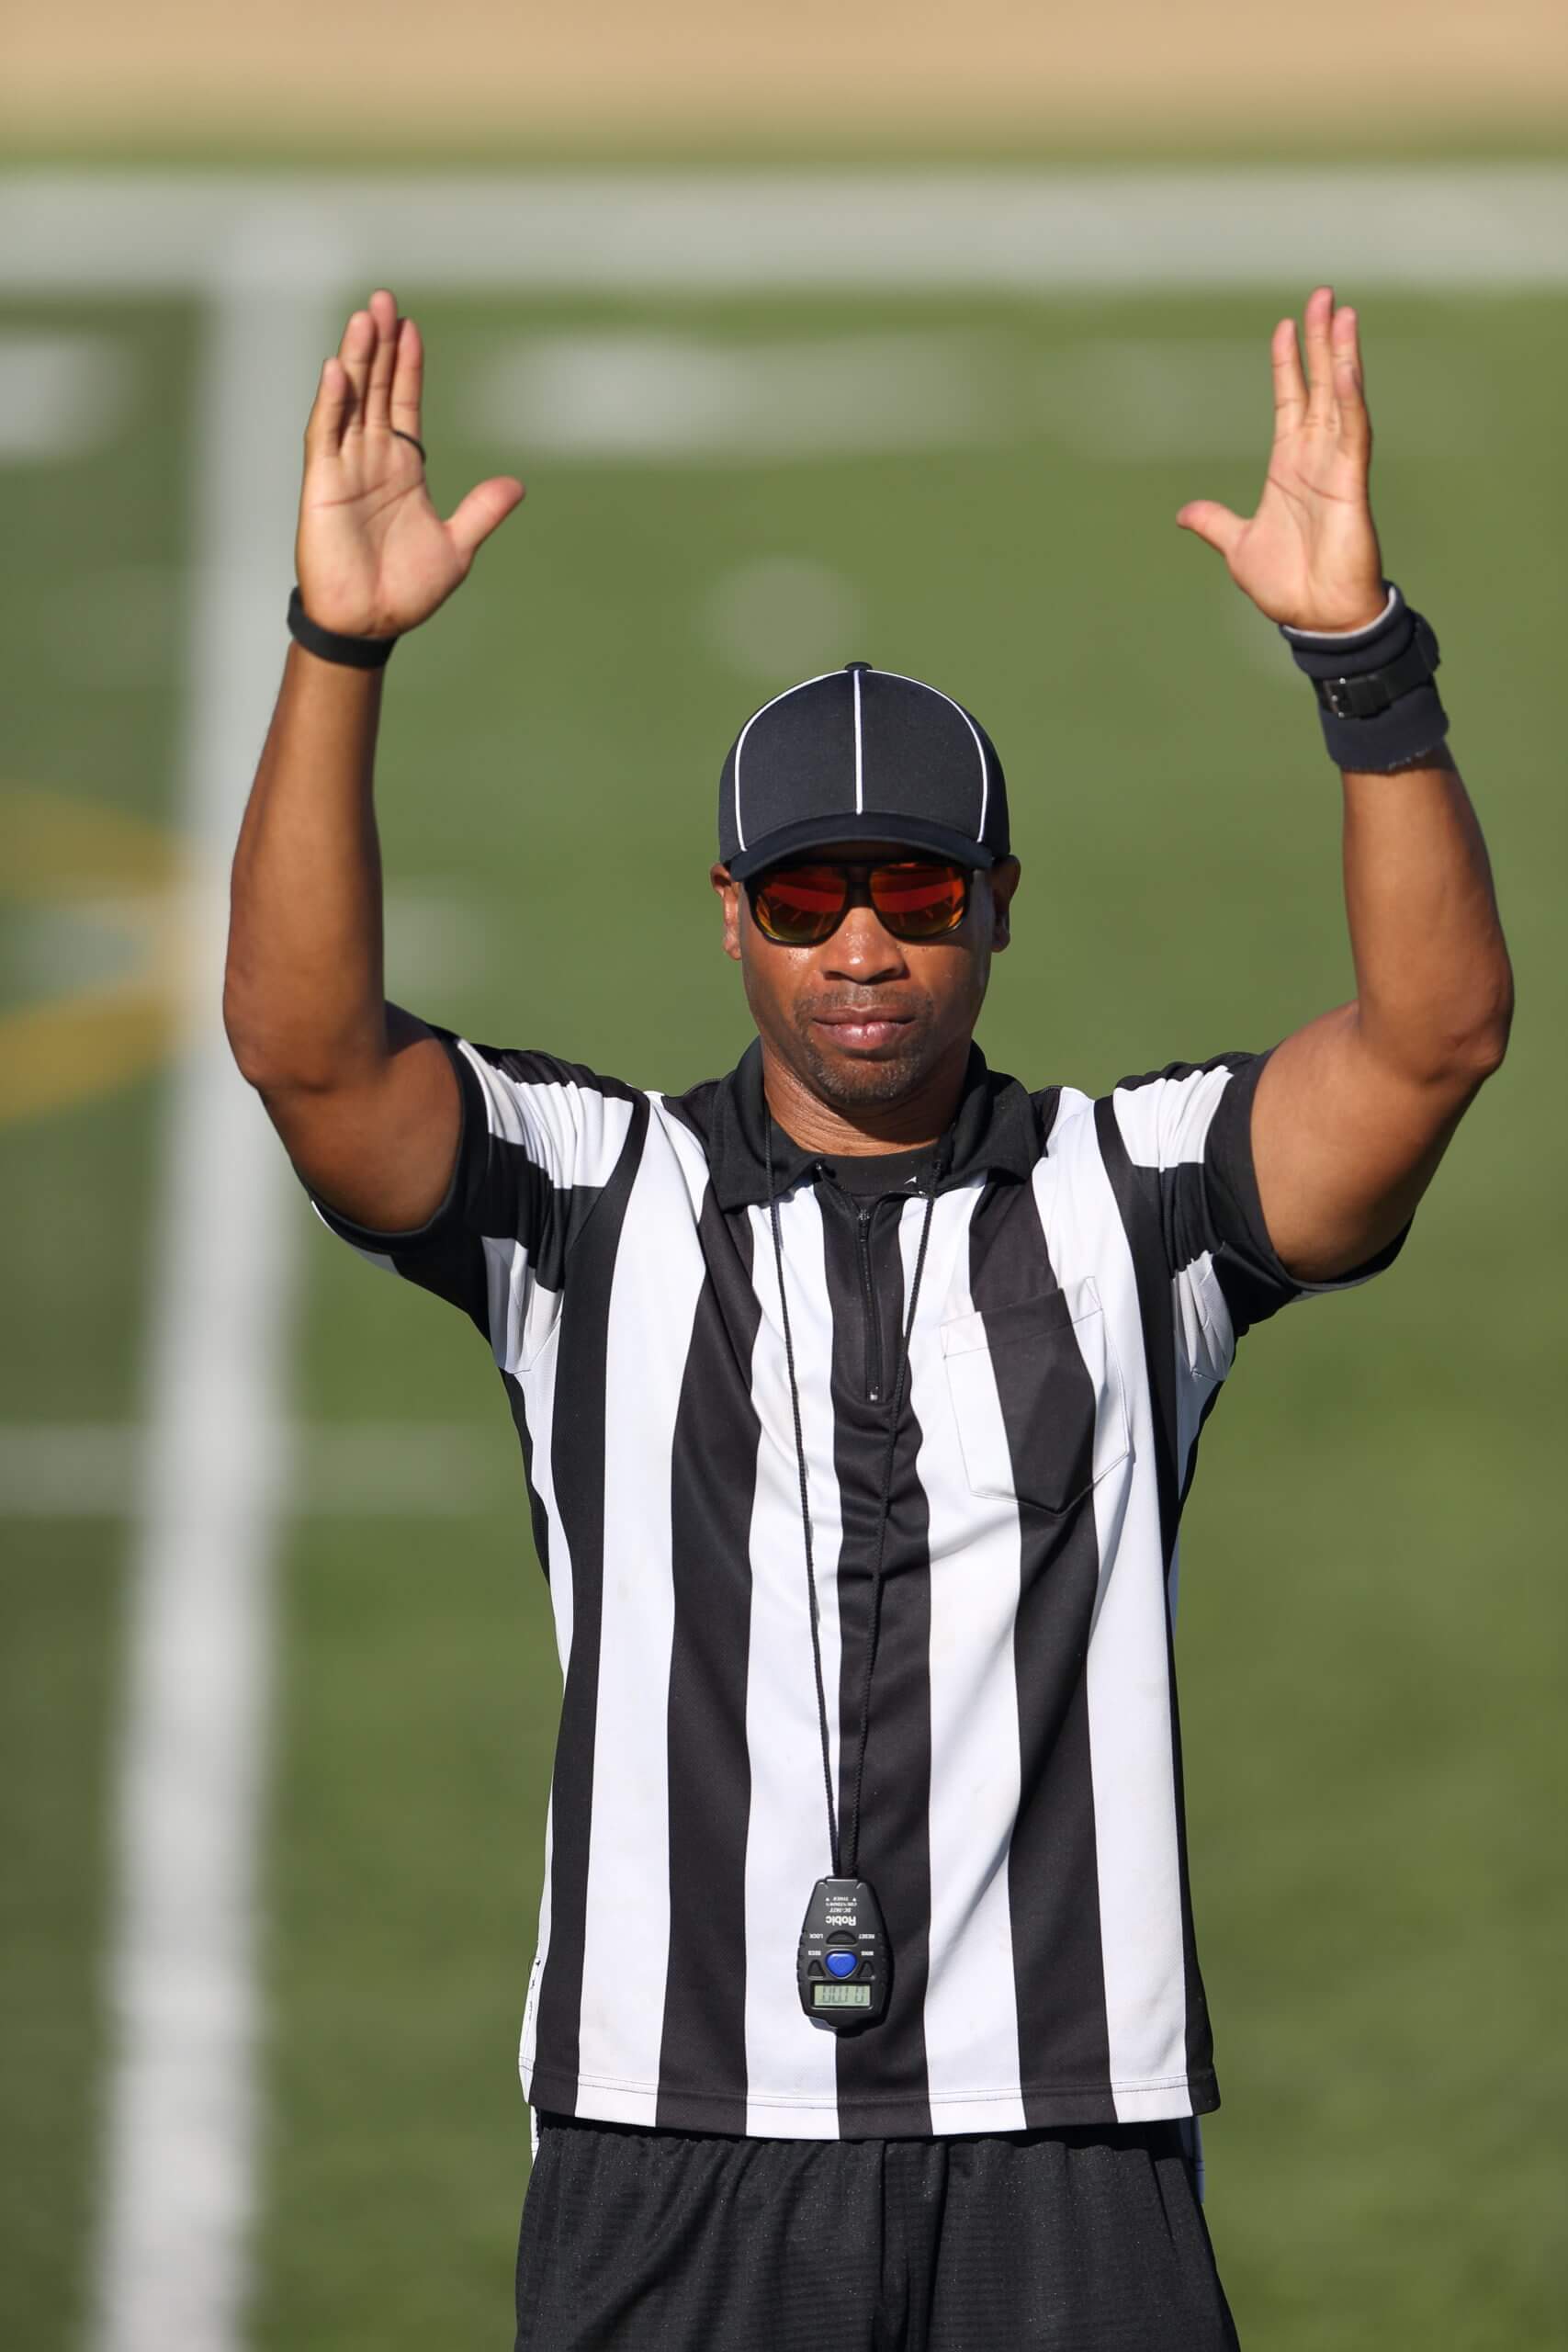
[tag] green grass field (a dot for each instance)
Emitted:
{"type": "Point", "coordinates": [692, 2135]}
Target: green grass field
{"type": "Point", "coordinates": [1372, 1610]}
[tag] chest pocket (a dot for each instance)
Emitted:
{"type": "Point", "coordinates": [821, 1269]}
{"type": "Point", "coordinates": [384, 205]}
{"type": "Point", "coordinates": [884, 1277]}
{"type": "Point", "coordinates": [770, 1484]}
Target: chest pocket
{"type": "Point", "coordinates": [1038, 1396]}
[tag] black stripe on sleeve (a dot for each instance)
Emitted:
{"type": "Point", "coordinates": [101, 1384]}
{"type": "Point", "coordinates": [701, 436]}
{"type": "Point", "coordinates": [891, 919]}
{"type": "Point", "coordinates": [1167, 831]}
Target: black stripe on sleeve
{"type": "Point", "coordinates": [497, 1191]}
{"type": "Point", "coordinates": [713, 1477]}
{"type": "Point", "coordinates": [1213, 1205]}
{"type": "Point", "coordinates": [443, 1255]}
{"type": "Point", "coordinates": [1255, 1278]}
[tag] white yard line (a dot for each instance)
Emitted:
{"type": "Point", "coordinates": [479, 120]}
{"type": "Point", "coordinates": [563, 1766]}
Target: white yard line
{"type": "Point", "coordinates": [178, 2188]}
{"type": "Point", "coordinates": [1463, 226]}
{"type": "Point", "coordinates": [277, 257]}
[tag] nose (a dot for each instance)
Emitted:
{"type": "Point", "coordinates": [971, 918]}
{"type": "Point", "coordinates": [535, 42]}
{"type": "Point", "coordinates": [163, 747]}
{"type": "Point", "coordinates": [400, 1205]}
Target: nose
{"type": "Point", "coordinates": [862, 951]}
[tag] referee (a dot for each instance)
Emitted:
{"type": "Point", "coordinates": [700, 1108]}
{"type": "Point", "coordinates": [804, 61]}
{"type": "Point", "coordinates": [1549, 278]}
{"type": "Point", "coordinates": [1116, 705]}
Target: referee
{"type": "Point", "coordinates": [859, 1393]}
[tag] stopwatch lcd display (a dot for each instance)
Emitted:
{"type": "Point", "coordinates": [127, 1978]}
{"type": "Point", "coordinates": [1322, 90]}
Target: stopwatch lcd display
{"type": "Point", "coordinates": [841, 1996]}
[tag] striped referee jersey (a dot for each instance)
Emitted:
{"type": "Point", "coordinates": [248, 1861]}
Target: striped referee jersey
{"type": "Point", "coordinates": [1091, 1266]}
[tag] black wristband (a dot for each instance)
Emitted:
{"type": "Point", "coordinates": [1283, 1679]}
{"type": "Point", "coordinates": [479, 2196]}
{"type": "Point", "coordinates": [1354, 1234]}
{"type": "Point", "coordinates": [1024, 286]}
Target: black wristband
{"type": "Point", "coordinates": [1376, 695]}
{"type": "Point", "coordinates": [354, 652]}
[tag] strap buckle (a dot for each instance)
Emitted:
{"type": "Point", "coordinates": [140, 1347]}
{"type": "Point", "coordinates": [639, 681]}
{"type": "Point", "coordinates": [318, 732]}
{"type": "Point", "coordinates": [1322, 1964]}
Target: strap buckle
{"type": "Point", "coordinates": [1373, 692]}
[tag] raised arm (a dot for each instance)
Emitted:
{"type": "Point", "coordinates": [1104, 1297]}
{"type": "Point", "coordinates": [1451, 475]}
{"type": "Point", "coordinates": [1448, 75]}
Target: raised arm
{"type": "Point", "coordinates": [1353, 1112]}
{"type": "Point", "coordinates": [362, 1093]}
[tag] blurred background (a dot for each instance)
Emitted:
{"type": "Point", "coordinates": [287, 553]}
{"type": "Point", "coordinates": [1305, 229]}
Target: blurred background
{"type": "Point", "coordinates": [852, 331]}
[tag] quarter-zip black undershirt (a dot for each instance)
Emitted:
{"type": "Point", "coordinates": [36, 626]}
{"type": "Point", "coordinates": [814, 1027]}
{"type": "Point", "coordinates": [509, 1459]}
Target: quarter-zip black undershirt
{"type": "Point", "coordinates": [870, 1175]}
{"type": "Point", "coordinates": [867, 1179]}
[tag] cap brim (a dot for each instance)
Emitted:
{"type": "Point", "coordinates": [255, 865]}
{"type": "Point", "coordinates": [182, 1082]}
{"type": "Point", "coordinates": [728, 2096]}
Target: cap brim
{"type": "Point", "coordinates": [864, 825]}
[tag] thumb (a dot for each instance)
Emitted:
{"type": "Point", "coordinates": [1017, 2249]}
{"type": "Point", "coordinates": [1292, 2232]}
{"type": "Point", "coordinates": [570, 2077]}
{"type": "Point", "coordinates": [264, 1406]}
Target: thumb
{"type": "Point", "coordinates": [1216, 524]}
{"type": "Point", "coordinates": [486, 505]}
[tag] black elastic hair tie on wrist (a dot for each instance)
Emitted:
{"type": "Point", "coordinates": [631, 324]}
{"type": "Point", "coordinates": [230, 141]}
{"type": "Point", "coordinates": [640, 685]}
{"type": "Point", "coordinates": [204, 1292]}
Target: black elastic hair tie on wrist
{"type": "Point", "coordinates": [354, 653]}
{"type": "Point", "coordinates": [1377, 696]}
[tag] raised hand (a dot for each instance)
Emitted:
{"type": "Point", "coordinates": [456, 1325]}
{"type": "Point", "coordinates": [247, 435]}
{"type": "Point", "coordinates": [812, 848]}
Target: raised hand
{"type": "Point", "coordinates": [372, 556]}
{"type": "Point", "coordinates": [1309, 557]}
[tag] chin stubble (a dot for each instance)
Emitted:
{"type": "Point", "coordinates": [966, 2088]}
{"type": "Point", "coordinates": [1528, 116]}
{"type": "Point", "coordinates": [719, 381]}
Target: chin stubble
{"type": "Point", "coordinates": [848, 1084]}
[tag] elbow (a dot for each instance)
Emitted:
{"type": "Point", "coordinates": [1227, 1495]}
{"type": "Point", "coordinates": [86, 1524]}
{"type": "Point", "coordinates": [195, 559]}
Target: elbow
{"type": "Point", "coordinates": [1490, 1043]}
{"type": "Point", "coordinates": [246, 1043]}
{"type": "Point", "coordinates": [263, 1059]}
{"type": "Point", "coordinates": [251, 1036]}
{"type": "Point", "coordinates": [1474, 1056]}
{"type": "Point", "coordinates": [1452, 1056]}
{"type": "Point", "coordinates": [280, 1058]}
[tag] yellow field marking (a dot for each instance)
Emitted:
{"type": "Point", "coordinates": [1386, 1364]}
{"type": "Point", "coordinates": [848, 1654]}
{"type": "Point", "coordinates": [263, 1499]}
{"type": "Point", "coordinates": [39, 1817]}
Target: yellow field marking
{"type": "Point", "coordinates": [127, 875]}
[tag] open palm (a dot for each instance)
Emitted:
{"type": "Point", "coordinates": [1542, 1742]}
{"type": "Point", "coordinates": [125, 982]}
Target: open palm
{"type": "Point", "coordinates": [372, 556]}
{"type": "Point", "coordinates": [1310, 556]}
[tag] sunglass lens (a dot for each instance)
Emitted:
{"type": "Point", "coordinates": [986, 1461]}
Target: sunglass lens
{"type": "Point", "coordinates": [799, 905]}
{"type": "Point", "coordinates": [919, 902]}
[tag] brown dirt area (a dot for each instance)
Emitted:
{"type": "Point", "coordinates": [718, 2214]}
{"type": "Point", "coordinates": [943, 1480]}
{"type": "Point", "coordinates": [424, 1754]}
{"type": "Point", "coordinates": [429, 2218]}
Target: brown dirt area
{"type": "Point", "coordinates": [357, 78]}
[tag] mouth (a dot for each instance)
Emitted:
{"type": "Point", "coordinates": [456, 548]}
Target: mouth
{"type": "Point", "coordinates": [861, 1032]}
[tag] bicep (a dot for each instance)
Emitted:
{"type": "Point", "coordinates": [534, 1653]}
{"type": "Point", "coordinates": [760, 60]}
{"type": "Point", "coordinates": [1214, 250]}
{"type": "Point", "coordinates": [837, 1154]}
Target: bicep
{"type": "Point", "coordinates": [1344, 1147]}
{"type": "Point", "coordinates": [382, 1152]}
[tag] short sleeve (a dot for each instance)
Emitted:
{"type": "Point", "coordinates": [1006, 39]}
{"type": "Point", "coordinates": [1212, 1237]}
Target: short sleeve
{"type": "Point", "coordinates": [1190, 1125]}
{"type": "Point", "coordinates": [539, 1139]}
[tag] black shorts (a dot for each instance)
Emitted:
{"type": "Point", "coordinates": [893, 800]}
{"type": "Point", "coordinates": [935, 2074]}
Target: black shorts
{"type": "Point", "coordinates": [1045, 2241]}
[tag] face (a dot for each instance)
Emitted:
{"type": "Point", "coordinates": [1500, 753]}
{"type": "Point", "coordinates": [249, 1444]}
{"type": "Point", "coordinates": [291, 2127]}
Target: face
{"type": "Point", "coordinates": [865, 1020]}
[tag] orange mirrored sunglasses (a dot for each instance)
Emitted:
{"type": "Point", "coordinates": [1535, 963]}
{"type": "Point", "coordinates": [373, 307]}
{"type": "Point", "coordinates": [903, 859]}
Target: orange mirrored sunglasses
{"type": "Point", "coordinates": [800, 906]}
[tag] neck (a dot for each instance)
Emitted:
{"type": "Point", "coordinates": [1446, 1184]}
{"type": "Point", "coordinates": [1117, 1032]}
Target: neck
{"type": "Point", "coordinates": [916, 1118]}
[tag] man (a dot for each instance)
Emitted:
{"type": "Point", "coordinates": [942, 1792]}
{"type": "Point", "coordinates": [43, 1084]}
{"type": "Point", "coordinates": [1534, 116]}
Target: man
{"type": "Point", "coordinates": [859, 1393]}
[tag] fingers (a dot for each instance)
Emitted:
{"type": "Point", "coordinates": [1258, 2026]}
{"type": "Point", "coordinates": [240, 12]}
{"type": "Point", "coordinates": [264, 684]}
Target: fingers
{"type": "Point", "coordinates": [1350, 397]}
{"type": "Point", "coordinates": [1320, 364]}
{"type": "Point", "coordinates": [329, 410]}
{"type": "Point", "coordinates": [408, 380]}
{"type": "Point", "coordinates": [485, 506]}
{"type": "Point", "coordinates": [375, 381]}
{"type": "Point", "coordinates": [1332, 398]}
{"type": "Point", "coordinates": [355, 351]}
{"type": "Point", "coordinates": [367, 354]}
{"type": "Point", "coordinates": [383, 358]}
{"type": "Point", "coordinates": [1212, 522]}
{"type": "Point", "coordinates": [1289, 384]}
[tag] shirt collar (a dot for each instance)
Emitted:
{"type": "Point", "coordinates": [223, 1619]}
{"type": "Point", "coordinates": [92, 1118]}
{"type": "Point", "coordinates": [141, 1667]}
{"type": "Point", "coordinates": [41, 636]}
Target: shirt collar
{"type": "Point", "coordinates": [994, 1129]}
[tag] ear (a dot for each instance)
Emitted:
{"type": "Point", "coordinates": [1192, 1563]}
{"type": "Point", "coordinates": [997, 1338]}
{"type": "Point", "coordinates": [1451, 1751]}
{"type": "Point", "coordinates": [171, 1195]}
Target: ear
{"type": "Point", "coordinates": [730, 898]}
{"type": "Point", "coordinates": [1003, 879]}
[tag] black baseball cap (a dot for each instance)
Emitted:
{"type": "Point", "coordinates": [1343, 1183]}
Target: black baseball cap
{"type": "Point", "coordinates": [861, 754]}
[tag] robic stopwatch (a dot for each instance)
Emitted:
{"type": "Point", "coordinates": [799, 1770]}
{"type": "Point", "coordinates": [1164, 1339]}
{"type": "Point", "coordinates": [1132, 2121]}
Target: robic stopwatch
{"type": "Point", "coordinates": [843, 1970]}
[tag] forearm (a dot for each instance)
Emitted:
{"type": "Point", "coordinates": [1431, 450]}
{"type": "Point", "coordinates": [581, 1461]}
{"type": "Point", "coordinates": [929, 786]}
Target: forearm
{"type": "Point", "coordinates": [1433, 982]}
{"type": "Point", "coordinates": [303, 999]}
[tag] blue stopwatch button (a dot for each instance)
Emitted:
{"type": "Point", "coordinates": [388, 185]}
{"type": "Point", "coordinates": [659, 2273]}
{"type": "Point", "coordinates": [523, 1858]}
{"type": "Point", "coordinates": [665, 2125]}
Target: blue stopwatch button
{"type": "Point", "coordinates": [843, 1963]}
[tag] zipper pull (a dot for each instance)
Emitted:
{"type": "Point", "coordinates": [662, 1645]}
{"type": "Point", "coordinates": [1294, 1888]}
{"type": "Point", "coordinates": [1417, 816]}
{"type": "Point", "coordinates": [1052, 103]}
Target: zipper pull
{"type": "Point", "coordinates": [865, 1212]}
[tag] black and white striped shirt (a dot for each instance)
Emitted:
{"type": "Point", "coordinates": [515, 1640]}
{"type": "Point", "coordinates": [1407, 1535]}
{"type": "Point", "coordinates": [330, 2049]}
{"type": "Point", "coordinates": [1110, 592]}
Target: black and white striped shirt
{"type": "Point", "coordinates": [1092, 1264]}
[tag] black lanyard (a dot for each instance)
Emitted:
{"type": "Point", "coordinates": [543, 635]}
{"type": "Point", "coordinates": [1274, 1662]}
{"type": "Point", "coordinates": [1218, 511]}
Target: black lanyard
{"type": "Point", "coordinates": [844, 1864]}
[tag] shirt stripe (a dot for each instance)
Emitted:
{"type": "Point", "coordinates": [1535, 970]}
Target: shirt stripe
{"type": "Point", "coordinates": [882, 2084]}
{"type": "Point", "coordinates": [578, 1475]}
{"type": "Point", "coordinates": [974, 2060]}
{"type": "Point", "coordinates": [1137, 1864]}
{"type": "Point", "coordinates": [713, 1489]}
{"type": "Point", "coordinates": [656, 1288]}
{"type": "Point", "coordinates": [790, 2067]}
